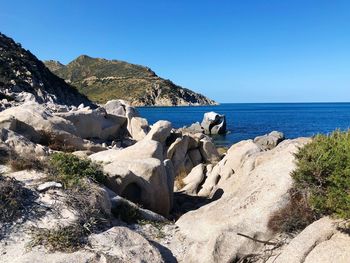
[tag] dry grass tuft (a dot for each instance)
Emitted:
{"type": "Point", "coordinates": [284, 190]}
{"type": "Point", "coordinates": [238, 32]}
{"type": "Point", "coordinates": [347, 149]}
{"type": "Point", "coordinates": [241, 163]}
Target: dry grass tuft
{"type": "Point", "coordinates": [14, 198]}
{"type": "Point", "coordinates": [294, 216]}
{"type": "Point", "coordinates": [179, 183]}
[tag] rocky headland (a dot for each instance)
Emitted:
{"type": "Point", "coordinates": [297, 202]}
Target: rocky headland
{"type": "Point", "coordinates": [102, 80]}
{"type": "Point", "coordinates": [86, 183]}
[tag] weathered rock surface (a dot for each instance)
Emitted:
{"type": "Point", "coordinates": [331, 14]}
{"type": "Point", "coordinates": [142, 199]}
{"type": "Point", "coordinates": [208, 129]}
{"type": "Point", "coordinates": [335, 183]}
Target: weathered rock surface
{"type": "Point", "coordinates": [95, 123]}
{"type": "Point", "coordinates": [212, 123]}
{"type": "Point", "coordinates": [256, 188]}
{"type": "Point", "coordinates": [138, 174]}
{"type": "Point", "coordinates": [116, 244]}
{"type": "Point", "coordinates": [160, 131]}
{"type": "Point", "coordinates": [193, 180]}
{"type": "Point", "coordinates": [21, 145]}
{"type": "Point", "coordinates": [38, 123]}
{"type": "Point", "coordinates": [269, 141]}
{"type": "Point", "coordinates": [119, 244]}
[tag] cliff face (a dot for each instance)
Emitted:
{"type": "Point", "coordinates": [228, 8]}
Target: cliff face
{"type": "Point", "coordinates": [102, 80]}
{"type": "Point", "coordinates": [21, 71]}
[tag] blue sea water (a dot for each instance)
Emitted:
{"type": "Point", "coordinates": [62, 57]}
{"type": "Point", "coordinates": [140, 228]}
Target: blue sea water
{"type": "Point", "coordinates": [248, 120]}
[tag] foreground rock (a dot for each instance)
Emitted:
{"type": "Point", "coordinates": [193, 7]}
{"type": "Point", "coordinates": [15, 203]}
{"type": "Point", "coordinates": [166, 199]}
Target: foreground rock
{"type": "Point", "coordinates": [251, 182]}
{"type": "Point", "coordinates": [320, 242]}
{"type": "Point", "coordinates": [138, 173]}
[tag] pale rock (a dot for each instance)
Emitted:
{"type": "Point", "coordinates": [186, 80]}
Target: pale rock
{"type": "Point", "coordinates": [269, 141]}
{"type": "Point", "coordinates": [95, 123]}
{"type": "Point", "coordinates": [230, 164]}
{"type": "Point", "coordinates": [160, 131]}
{"type": "Point", "coordinates": [21, 145]}
{"type": "Point", "coordinates": [249, 198]}
{"type": "Point", "coordinates": [193, 180]}
{"type": "Point", "coordinates": [138, 128]}
{"type": "Point", "coordinates": [336, 249]}
{"type": "Point", "coordinates": [123, 245]}
{"type": "Point", "coordinates": [116, 107]}
{"type": "Point", "coordinates": [177, 153]}
{"type": "Point", "coordinates": [48, 185]}
{"type": "Point", "coordinates": [138, 174]}
{"type": "Point", "coordinates": [300, 246]}
{"type": "Point", "coordinates": [214, 123]}
{"type": "Point", "coordinates": [208, 151]}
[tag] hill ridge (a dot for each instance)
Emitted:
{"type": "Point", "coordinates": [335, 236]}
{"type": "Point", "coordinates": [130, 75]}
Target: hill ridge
{"type": "Point", "coordinates": [102, 79]}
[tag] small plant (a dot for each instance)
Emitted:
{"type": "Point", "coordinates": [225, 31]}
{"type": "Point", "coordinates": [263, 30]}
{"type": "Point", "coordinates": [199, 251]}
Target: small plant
{"type": "Point", "coordinates": [323, 170]}
{"type": "Point", "coordinates": [91, 218]}
{"type": "Point", "coordinates": [13, 199]}
{"type": "Point", "coordinates": [64, 238]}
{"type": "Point", "coordinates": [127, 213]}
{"type": "Point", "coordinates": [72, 171]}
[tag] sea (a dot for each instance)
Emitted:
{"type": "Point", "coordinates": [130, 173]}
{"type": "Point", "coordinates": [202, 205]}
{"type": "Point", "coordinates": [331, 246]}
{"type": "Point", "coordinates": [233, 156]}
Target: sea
{"type": "Point", "coordinates": [248, 120]}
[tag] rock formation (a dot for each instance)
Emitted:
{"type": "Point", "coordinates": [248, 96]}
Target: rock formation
{"type": "Point", "coordinates": [212, 123]}
{"type": "Point", "coordinates": [115, 196]}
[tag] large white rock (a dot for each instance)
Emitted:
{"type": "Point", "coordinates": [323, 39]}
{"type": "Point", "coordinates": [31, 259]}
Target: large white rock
{"type": "Point", "coordinates": [95, 123]}
{"type": "Point", "coordinates": [300, 246]}
{"type": "Point", "coordinates": [231, 163]}
{"type": "Point", "coordinates": [35, 122]}
{"type": "Point", "coordinates": [138, 128]}
{"type": "Point", "coordinates": [255, 190]}
{"type": "Point", "coordinates": [160, 131]}
{"type": "Point", "coordinates": [193, 180]}
{"type": "Point", "coordinates": [139, 174]}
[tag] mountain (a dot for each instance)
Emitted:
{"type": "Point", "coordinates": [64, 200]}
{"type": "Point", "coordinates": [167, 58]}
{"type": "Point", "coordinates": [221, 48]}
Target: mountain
{"type": "Point", "coordinates": [102, 80]}
{"type": "Point", "coordinates": [21, 71]}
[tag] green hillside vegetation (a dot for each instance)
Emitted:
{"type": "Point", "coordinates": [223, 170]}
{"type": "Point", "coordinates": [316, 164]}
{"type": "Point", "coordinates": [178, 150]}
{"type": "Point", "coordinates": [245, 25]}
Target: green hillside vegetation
{"type": "Point", "coordinates": [102, 80]}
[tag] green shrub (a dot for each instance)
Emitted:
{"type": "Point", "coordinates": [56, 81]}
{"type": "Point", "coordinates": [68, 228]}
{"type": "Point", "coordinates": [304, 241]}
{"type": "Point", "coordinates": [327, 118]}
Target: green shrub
{"type": "Point", "coordinates": [127, 213]}
{"type": "Point", "coordinates": [72, 171]}
{"type": "Point", "coordinates": [323, 171]}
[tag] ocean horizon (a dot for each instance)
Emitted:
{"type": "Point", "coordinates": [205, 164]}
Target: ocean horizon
{"type": "Point", "coordinates": [248, 120]}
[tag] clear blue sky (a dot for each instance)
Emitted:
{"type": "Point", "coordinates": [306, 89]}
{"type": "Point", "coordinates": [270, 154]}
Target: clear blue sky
{"type": "Point", "coordinates": [231, 51]}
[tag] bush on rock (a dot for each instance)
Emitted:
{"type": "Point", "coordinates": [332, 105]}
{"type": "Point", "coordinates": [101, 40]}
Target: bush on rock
{"type": "Point", "coordinates": [71, 170]}
{"type": "Point", "coordinates": [323, 170]}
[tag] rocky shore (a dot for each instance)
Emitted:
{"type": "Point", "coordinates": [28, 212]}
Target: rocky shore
{"type": "Point", "coordinates": [186, 202]}
{"type": "Point", "coordinates": [87, 183]}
